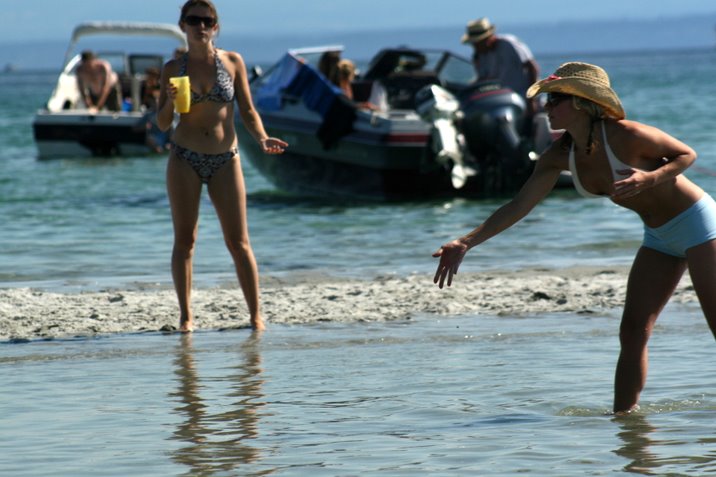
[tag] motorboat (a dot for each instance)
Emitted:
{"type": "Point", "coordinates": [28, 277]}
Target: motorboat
{"type": "Point", "coordinates": [438, 132]}
{"type": "Point", "coordinates": [66, 127]}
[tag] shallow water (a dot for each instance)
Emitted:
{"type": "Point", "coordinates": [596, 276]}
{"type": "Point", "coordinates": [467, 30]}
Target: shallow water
{"type": "Point", "coordinates": [477, 395]}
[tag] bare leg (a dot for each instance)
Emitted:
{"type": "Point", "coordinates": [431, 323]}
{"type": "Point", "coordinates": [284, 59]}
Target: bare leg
{"type": "Point", "coordinates": [184, 190]}
{"type": "Point", "coordinates": [228, 193]}
{"type": "Point", "coordinates": [652, 280]}
{"type": "Point", "coordinates": [702, 268]}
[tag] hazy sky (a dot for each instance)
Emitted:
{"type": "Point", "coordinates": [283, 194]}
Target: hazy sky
{"type": "Point", "coordinates": [54, 19]}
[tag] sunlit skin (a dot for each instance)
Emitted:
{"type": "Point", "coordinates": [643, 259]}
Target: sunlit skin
{"type": "Point", "coordinates": [654, 187]}
{"type": "Point", "coordinates": [209, 128]}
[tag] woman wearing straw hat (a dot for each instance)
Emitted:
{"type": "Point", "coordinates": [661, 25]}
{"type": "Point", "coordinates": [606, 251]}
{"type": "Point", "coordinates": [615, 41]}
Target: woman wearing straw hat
{"type": "Point", "coordinates": [638, 167]}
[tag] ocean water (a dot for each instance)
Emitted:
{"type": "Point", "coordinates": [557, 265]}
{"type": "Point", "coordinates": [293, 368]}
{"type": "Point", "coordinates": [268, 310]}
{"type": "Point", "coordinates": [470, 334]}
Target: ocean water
{"type": "Point", "coordinates": [462, 396]}
{"type": "Point", "coordinates": [83, 223]}
{"type": "Point", "coordinates": [471, 395]}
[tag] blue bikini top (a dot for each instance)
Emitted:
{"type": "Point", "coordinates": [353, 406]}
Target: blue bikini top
{"type": "Point", "coordinates": [223, 89]}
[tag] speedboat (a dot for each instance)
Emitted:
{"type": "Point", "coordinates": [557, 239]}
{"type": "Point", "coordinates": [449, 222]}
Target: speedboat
{"type": "Point", "coordinates": [439, 131]}
{"type": "Point", "coordinates": [65, 127]}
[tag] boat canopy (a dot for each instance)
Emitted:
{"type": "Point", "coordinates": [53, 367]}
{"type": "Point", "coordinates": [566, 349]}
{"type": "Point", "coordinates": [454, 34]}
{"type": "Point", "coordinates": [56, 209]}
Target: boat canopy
{"type": "Point", "coordinates": [165, 30]}
{"type": "Point", "coordinates": [128, 28]}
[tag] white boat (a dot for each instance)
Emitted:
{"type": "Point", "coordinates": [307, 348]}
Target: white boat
{"type": "Point", "coordinates": [66, 128]}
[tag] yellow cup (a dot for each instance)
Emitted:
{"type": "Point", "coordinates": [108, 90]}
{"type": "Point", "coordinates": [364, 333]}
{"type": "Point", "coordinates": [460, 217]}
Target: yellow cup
{"type": "Point", "coordinates": [182, 102]}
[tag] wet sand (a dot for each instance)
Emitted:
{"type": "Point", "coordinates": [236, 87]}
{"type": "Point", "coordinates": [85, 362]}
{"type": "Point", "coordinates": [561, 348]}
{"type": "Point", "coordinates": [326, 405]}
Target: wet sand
{"type": "Point", "coordinates": [27, 314]}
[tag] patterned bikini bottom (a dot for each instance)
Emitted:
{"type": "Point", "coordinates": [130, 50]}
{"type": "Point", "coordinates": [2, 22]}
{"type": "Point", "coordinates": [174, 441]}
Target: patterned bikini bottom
{"type": "Point", "coordinates": [205, 165]}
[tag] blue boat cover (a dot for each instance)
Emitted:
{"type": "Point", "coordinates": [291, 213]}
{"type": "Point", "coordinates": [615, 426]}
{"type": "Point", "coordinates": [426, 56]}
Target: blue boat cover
{"type": "Point", "coordinates": [298, 79]}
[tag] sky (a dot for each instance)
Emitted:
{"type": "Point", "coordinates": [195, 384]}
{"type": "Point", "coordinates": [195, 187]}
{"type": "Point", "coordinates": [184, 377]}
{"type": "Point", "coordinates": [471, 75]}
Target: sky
{"type": "Point", "coordinates": [32, 20]}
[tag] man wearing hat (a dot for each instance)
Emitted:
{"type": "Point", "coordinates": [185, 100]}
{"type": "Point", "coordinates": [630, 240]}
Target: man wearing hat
{"type": "Point", "coordinates": [501, 57]}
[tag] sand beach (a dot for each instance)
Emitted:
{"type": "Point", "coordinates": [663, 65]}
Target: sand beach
{"type": "Point", "coordinates": [28, 314]}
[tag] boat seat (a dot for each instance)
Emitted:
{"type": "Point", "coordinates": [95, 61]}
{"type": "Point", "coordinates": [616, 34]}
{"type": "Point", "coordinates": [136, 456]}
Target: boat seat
{"type": "Point", "coordinates": [402, 87]}
{"type": "Point", "coordinates": [361, 90]}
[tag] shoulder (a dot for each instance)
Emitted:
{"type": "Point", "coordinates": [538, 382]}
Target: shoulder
{"type": "Point", "coordinates": [231, 57]}
{"type": "Point", "coordinates": [233, 61]}
{"type": "Point", "coordinates": [555, 157]}
{"type": "Point", "coordinates": [515, 44]}
{"type": "Point", "coordinates": [631, 132]}
{"type": "Point", "coordinates": [171, 67]}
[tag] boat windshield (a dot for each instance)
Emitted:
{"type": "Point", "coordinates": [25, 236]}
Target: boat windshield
{"type": "Point", "coordinates": [457, 71]}
{"type": "Point", "coordinates": [447, 67]}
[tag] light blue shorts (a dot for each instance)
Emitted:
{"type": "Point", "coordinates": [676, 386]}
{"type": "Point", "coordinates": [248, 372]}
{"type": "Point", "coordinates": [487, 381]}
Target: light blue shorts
{"type": "Point", "coordinates": [694, 226]}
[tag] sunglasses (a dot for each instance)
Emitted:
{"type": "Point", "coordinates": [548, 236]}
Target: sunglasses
{"type": "Point", "coordinates": [553, 99]}
{"type": "Point", "coordinates": [194, 20]}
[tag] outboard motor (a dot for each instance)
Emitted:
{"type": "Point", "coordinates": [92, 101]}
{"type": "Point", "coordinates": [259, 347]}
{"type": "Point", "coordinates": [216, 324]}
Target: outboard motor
{"type": "Point", "coordinates": [438, 106]}
{"type": "Point", "coordinates": [494, 121]}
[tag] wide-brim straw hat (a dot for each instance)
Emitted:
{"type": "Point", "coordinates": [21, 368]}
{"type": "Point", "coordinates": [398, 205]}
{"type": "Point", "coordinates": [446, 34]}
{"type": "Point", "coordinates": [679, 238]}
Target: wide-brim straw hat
{"type": "Point", "coordinates": [478, 30]}
{"type": "Point", "coordinates": [584, 80]}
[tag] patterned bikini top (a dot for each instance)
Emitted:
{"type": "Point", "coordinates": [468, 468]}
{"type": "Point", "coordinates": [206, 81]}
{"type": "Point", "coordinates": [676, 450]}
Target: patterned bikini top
{"type": "Point", "coordinates": [223, 89]}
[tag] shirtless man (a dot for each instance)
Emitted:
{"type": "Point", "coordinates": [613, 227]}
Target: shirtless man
{"type": "Point", "coordinates": [98, 84]}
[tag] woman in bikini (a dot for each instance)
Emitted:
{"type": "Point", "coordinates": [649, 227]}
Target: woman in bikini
{"type": "Point", "coordinates": [204, 151]}
{"type": "Point", "coordinates": [679, 217]}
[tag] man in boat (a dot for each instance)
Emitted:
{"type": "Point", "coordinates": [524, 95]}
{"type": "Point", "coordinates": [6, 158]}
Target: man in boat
{"type": "Point", "coordinates": [501, 57]}
{"type": "Point", "coordinates": [98, 84]}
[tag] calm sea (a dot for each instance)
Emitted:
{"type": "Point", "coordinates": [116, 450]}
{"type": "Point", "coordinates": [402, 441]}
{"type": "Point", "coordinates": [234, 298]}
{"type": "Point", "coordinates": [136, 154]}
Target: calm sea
{"type": "Point", "coordinates": [431, 396]}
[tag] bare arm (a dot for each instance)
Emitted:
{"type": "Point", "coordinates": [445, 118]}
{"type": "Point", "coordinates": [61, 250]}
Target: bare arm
{"type": "Point", "coordinates": [649, 144]}
{"type": "Point", "coordinates": [249, 115]}
{"type": "Point", "coordinates": [539, 184]}
{"type": "Point", "coordinates": [106, 84]}
{"type": "Point", "coordinates": [83, 89]}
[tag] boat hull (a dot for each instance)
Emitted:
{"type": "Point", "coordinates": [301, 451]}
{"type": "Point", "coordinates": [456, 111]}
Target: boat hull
{"type": "Point", "coordinates": [377, 166]}
{"type": "Point", "coordinates": [77, 134]}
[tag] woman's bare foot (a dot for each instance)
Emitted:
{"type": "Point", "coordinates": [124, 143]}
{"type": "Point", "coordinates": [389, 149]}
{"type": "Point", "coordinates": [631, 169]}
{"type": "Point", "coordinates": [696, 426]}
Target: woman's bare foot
{"type": "Point", "coordinates": [186, 325]}
{"type": "Point", "coordinates": [631, 410]}
{"type": "Point", "coordinates": [258, 324]}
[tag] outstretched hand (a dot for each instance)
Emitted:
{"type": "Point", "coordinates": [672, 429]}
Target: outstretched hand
{"type": "Point", "coordinates": [271, 145]}
{"type": "Point", "coordinates": [451, 255]}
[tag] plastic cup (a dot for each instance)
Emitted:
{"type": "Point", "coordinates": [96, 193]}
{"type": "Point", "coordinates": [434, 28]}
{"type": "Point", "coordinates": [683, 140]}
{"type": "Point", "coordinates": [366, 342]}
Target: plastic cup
{"type": "Point", "coordinates": [182, 102]}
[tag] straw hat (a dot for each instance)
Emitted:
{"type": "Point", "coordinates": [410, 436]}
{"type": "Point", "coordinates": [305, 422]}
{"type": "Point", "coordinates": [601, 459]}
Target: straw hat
{"type": "Point", "coordinates": [584, 80]}
{"type": "Point", "coordinates": [478, 30]}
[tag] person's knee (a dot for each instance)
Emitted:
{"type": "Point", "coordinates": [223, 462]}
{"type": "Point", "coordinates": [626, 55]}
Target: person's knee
{"type": "Point", "coordinates": [239, 248]}
{"type": "Point", "coordinates": [634, 336]}
{"type": "Point", "coordinates": [184, 244]}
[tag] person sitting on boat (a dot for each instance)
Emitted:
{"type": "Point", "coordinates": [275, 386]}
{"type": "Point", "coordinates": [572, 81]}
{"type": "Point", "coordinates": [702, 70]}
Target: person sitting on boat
{"type": "Point", "coordinates": [346, 74]}
{"type": "Point", "coordinates": [328, 65]}
{"type": "Point", "coordinates": [98, 83]}
{"type": "Point", "coordinates": [501, 57]}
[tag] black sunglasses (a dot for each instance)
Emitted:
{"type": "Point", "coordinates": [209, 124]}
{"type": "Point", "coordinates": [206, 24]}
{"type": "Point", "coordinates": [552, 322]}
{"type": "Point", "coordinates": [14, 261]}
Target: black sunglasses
{"type": "Point", "coordinates": [553, 99]}
{"type": "Point", "coordinates": [194, 20]}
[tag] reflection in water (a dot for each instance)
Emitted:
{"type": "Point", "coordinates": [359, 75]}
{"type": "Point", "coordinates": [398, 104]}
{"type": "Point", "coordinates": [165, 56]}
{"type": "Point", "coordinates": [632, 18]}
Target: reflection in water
{"type": "Point", "coordinates": [649, 456]}
{"type": "Point", "coordinates": [635, 434]}
{"type": "Point", "coordinates": [217, 441]}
